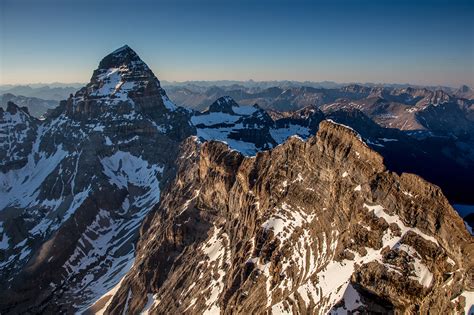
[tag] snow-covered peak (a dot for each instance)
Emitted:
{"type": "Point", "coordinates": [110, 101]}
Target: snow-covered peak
{"type": "Point", "coordinates": [226, 99]}
{"type": "Point", "coordinates": [439, 97]}
{"type": "Point", "coordinates": [122, 77]}
{"type": "Point", "coordinates": [119, 73]}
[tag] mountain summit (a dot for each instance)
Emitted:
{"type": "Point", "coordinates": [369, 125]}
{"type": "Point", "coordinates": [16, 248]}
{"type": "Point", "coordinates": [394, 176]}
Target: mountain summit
{"type": "Point", "coordinates": [122, 77]}
{"type": "Point", "coordinates": [223, 104]}
{"type": "Point", "coordinates": [76, 187]}
{"type": "Point", "coordinates": [119, 57]}
{"type": "Point", "coordinates": [122, 87]}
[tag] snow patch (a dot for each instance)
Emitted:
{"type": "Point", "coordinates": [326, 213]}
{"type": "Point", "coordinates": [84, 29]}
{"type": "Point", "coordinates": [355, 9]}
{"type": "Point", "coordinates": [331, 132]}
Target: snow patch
{"type": "Point", "coordinates": [379, 212]}
{"type": "Point", "coordinates": [280, 135]}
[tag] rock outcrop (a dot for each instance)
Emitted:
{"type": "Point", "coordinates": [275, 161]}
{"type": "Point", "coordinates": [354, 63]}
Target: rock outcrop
{"type": "Point", "coordinates": [445, 159]}
{"type": "Point", "coordinates": [308, 227]}
{"type": "Point", "coordinates": [247, 129]}
{"type": "Point", "coordinates": [17, 132]}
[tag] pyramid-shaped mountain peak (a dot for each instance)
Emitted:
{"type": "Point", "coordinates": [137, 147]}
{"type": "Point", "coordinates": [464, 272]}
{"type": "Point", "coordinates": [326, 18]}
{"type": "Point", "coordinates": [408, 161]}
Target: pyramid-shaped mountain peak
{"type": "Point", "coordinates": [123, 57]}
{"type": "Point", "coordinates": [122, 77]}
{"type": "Point", "coordinates": [121, 74]}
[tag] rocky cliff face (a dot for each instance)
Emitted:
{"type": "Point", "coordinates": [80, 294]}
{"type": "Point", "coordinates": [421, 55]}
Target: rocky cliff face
{"type": "Point", "coordinates": [308, 227]}
{"type": "Point", "coordinates": [443, 155]}
{"type": "Point", "coordinates": [125, 84]}
{"type": "Point", "coordinates": [17, 131]}
{"type": "Point", "coordinates": [76, 187]}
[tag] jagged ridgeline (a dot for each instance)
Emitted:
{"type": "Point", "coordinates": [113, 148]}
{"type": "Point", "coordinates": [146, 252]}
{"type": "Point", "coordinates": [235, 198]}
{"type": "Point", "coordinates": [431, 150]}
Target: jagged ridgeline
{"type": "Point", "coordinates": [120, 202]}
{"type": "Point", "coordinates": [306, 228]}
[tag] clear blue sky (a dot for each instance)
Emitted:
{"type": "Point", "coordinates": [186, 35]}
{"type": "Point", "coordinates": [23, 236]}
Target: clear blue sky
{"type": "Point", "coordinates": [420, 42]}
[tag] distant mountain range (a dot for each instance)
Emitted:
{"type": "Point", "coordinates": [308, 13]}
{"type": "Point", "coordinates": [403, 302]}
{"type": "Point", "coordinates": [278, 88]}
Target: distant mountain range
{"type": "Point", "coordinates": [59, 91]}
{"type": "Point", "coordinates": [199, 97]}
{"type": "Point", "coordinates": [36, 106]}
{"type": "Point", "coordinates": [38, 98]}
{"type": "Point", "coordinates": [55, 92]}
{"type": "Point", "coordinates": [292, 83]}
{"type": "Point", "coordinates": [284, 98]}
{"type": "Point", "coordinates": [272, 95]}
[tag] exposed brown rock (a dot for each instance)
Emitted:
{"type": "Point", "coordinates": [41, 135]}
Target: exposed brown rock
{"type": "Point", "coordinates": [248, 235]}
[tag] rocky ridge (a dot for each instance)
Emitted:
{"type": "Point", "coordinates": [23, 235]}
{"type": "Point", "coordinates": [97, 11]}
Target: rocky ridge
{"type": "Point", "coordinates": [245, 128]}
{"type": "Point", "coordinates": [17, 130]}
{"type": "Point", "coordinates": [446, 159]}
{"type": "Point", "coordinates": [308, 227]}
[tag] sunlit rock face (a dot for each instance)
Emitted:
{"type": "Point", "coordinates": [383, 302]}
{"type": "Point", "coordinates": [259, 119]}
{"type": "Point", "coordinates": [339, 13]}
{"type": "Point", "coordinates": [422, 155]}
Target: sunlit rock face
{"type": "Point", "coordinates": [309, 227]}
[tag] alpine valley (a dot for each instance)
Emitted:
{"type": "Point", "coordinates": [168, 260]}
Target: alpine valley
{"type": "Point", "coordinates": [121, 202]}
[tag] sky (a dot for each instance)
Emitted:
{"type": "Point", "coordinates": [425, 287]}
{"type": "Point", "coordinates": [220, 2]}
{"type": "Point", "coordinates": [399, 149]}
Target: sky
{"type": "Point", "coordinates": [417, 42]}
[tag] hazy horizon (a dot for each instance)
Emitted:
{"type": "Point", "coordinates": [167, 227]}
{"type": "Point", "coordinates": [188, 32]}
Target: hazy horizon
{"type": "Point", "coordinates": [230, 82]}
{"type": "Point", "coordinates": [428, 43]}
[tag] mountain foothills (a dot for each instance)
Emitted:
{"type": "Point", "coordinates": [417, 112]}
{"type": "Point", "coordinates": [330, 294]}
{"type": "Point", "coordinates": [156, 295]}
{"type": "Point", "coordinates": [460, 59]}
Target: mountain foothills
{"type": "Point", "coordinates": [119, 201]}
